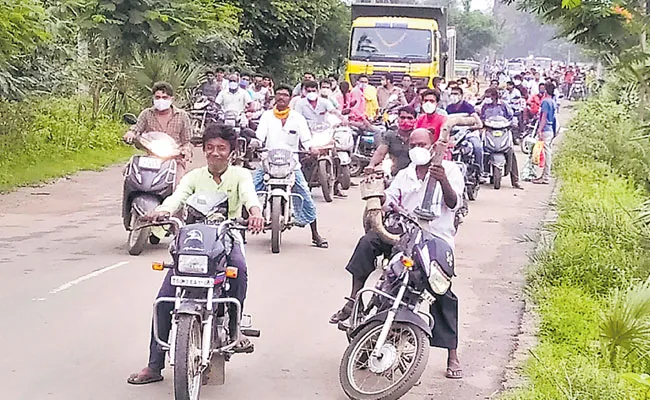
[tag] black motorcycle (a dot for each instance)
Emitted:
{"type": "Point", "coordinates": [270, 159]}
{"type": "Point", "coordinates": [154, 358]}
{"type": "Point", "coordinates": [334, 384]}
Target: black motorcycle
{"type": "Point", "coordinates": [389, 338]}
{"type": "Point", "coordinates": [207, 324]}
{"type": "Point", "coordinates": [463, 154]}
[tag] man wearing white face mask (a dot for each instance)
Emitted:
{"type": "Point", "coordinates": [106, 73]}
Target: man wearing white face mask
{"type": "Point", "coordinates": [407, 191]}
{"type": "Point", "coordinates": [235, 98]}
{"type": "Point", "coordinates": [314, 107]}
{"type": "Point", "coordinates": [165, 117]}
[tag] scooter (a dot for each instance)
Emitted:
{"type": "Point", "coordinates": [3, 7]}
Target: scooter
{"type": "Point", "coordinates": [343, 145]}
{"type": "Point", "coordinates": [497, 144]}
{"type": "Point", "coordinates": [148, 180]}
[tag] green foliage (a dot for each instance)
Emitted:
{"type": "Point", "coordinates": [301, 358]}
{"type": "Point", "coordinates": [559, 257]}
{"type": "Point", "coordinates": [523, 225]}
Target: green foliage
{"type": "Point", "coordinates": [625, 327]}
{"type": "Point", "coordinates": [476, 32]}
{"type": "Point", "coordinates": [22, 28]}
{"type": "Point", "coordinates": [51, 137]}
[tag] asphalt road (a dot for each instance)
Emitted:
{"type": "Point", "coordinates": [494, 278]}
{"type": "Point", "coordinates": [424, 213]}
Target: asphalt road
{"type": "Point", "coordinates": [76, 308]}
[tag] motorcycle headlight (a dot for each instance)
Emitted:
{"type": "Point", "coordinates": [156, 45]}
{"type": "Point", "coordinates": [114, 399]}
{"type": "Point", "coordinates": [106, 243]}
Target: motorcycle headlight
{"type": "Point", "coordinates": [189, 264]}
{"type": "Point", "coordinates": [279, 171]}
{"type": "Point", "coordinates": [438, 280]}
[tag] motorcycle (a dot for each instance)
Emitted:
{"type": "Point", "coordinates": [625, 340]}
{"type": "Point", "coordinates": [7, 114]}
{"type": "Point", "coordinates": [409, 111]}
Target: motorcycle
{"type": "Point", "coordinates": [343, 145]}
{"type": "Point", "coordinates": [238, 122]}
{"type": "Point", "coordinates": [148, 180]}
{"type": "Point", "coordinates": [203, 335]}
{"type": "Point", "coordinates": [529, 138]}
{"type": "Point", "coordinates": [279, 177]}
{"type": "Point", "coordinates": [321, 172]}
{"type": "Point", "coordinates": [463, 155]}
{"type": "Point", "coordinates": [497, 143]}
{"type": "Point", "coordinates": [389, 339]}
{"type": "Point", "coordinates": [203, 111]}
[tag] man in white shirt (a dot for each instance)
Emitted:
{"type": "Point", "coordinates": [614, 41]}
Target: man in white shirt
{"type": "Point", "coordinates": [235, 98]}
{"type": "Point", "coordinates": [314, 107]}
{"type": "Point", "coordinates": [283, 128]}
{"type": "Point", "coordinates": [407, 191]}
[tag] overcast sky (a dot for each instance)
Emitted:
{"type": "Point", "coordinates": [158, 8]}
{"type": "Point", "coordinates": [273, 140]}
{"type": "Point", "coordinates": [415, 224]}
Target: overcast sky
{"type": "Point", "coordinates": [482, 4]}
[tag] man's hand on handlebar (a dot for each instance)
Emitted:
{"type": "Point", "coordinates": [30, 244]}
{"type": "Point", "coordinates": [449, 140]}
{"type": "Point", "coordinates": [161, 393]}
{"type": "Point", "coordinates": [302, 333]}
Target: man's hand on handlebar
{"type": "Point", "coordinates": [128, 137]}
{"type": "Point", "coordinates": [255, 220]}
{"type": "Point", "coordinates": [156, 216]}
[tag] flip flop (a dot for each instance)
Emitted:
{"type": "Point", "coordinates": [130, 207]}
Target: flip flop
{"type": "Point", "coordinates": [321, 244]}
{"type": "Point", "coordinates": [137, 379]}
{"type": "Point", "coordinates": [454, 373]}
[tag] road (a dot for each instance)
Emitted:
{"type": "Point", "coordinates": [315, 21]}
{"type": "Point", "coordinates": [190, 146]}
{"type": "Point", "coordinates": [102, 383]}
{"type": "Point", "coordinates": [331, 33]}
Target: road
{"type": "Point", "coordinates": [76, 308]}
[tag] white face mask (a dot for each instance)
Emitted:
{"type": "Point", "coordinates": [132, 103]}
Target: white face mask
{"type": "Point", "coordinates": [443, 87]}
{"type": "Point", "coordinates": [454, 99]}
{"type": "Point", "coordinates": [517, 82]}
{"type": "Point", "coordinates": [326, 92]}
{"type": "Point", "coordinates": [428, 108]}
{"type": "Point", "coordinates": [312, 96]}
{"type": "Point", "coordinates": [233, 86]}
{"type": "Point", "coordinates": [419, 155]}
{"type": "Point", "coordinates": [162, 104]}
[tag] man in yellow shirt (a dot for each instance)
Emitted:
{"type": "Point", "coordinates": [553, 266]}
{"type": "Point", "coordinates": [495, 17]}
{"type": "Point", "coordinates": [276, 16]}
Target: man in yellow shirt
{"type": "Point", "coordinates": [219, 143]}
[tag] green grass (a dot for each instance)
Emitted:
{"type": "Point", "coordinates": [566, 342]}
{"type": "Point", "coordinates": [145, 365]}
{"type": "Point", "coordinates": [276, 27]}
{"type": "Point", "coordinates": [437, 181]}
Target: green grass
{"type": "Point", "coordinates": [598, 247]}
{"type": "Point", "coordinates": [26, 172]}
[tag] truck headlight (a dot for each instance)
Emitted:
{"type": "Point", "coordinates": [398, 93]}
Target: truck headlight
{"type": "Point", "coordinates": [189, 264]}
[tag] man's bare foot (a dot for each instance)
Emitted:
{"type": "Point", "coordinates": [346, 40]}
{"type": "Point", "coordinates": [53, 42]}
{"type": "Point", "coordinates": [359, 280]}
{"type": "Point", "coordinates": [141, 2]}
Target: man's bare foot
{"type": "Point", "coordinates": [147, 375]}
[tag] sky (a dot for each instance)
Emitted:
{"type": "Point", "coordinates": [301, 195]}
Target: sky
{"type": "Point", "coordinates": [482, 4]}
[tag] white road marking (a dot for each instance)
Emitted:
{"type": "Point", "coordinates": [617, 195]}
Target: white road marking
{"type": "Point", "coordinates": [91, 275]}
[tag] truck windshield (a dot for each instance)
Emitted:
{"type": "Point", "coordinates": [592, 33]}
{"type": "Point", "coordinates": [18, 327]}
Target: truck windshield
{"type": "Point", "coordinates": [391, 44]}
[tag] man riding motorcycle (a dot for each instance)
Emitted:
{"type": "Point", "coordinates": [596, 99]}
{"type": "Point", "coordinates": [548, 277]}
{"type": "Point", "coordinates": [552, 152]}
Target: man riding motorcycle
{"type": "Point", "coordinates": [235, 98]}
{"type": "Point", "coordinates": [395, 144]}
{"type": "Point", "coordinates": [495, 107]}
{"type": "Point", "coordinates": [459, 106]}
{"type": "Point", "coordinates": [219, 142]}
{"type": "Point", "coordinates": [285, 128]}
{"type": "Point", "coordinates": [407, 192]}
{"type": "Point", "coordinates": [167, 118]}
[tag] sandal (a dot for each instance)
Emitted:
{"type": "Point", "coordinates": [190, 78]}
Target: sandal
{"type": "Point", "coordinates": [321, 243]}
{"type": "Point", "coordinates": [342, 314]}
{"type": "Point", "coordinates": [454, 373]}
{"type": "Point", "coordinates": [144, 378]}
{"type": "Point", "coordinates": [244, 346]}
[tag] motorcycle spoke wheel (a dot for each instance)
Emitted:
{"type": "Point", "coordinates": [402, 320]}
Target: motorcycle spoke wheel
{"type": "Point", "coordinates": [188, 369]}
{"type": "Point", "coordinates": [390, 376]}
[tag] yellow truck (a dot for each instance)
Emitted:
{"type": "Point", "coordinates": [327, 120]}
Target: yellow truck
{"type": "Point", "coordinates": [400, 39]}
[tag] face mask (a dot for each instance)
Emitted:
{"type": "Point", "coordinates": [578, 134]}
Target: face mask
{"type": "Point", "coordinates": [243, 84]}
{"type": "Point", "coordinates": [312, 96]}
{"type": "Point", "coordinates": [443, 86]}
{"type": "Point", "coordinates": [233, 86]}
{"type": "Point", "coordinates": [517, 82]}
{"type": "Point", "coordinates": [542, 91]}
{"type": "Point", "coordinates": [326, 92]}
{"type": "Point", "coordinates": [406, 125]}
{"type": "Point", "coordinates": [454, 98]}
{"type": "Point", "coordinates": [363, 85]}
{"type": "Point", "coordinates": [428, 108]}
{"type": "Point", "coordinates": [162, 104]}
{"type": "Point", "coordinates": [419, 155]}
{"type": "Point", "coordinates": [487, 101]}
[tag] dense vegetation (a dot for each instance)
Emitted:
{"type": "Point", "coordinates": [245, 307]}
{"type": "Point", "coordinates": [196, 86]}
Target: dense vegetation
{"type": "Point", "coordinates": [590, 283]}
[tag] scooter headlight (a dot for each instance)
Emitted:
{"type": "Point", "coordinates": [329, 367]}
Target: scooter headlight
{"type": "Point", "coordinates": [438, 280]}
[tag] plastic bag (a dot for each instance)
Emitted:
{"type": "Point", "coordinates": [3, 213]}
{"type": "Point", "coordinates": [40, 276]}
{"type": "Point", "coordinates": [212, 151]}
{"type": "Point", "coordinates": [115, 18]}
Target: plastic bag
{"type": "Point", "coordinates": [538, 154]}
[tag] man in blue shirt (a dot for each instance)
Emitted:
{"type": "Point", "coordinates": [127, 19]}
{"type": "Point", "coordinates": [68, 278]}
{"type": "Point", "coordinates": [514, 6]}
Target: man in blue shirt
{"type": "Point", "coordinates": [545, 132]}
{"type": "Point", "coordinates": [459, 106]}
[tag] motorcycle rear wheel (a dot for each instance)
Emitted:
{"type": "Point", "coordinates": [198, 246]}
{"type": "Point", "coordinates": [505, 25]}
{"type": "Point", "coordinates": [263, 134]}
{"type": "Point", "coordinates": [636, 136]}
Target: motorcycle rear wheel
{"type": "Point", "coordinates": [419, 356]}
{"type": "Point", "coordinates": [187, 368]}
{"type": "Point", "coordinates": [137, 238]}
{"type": "Point", "coordinates": [276, 227]}
{"type": "Point", "coordinates": [325, 180]}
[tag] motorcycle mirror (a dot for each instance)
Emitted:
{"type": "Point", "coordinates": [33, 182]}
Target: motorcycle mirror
{"type": "Point", "coordinates": [346, 111]}
{"type": "Point", "coordinates": [130, 119]}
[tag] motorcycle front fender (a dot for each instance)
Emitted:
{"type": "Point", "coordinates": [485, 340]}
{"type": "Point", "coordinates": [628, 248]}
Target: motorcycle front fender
{"type": "Point", "coordinates": [278, 192]}
{"type": "Point", "coordinates": [344, 157]}
{"type": "Point", "coordinates": [403, 315]}
{"type": "Point", "coordinates": [498, 159]}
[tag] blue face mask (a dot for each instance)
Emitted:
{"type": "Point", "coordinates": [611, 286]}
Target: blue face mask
{"type": "Point", "coordinates": [243, 84]}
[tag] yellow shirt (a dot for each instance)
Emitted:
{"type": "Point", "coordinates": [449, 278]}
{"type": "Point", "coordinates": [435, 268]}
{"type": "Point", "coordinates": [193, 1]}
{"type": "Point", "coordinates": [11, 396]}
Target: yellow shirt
{"type": "Point", "coordinates": [236, 182]}
{"type": "Point", "coordinates": [372, 105]}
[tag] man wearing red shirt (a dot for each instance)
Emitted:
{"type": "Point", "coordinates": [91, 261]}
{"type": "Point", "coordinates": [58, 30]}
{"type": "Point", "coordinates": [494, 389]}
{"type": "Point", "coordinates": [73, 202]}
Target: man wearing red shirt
{"type": "Point", "coordinates": [429, 119]}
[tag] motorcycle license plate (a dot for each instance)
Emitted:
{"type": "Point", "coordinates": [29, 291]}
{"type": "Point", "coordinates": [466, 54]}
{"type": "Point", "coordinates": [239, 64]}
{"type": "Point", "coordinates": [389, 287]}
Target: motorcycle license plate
{"type": "Point", "coordinates": [192, 282]}
{"type": "Point", "coordinates": [149, 163]}
{"type": "Point", "coordinates": [497, 133]}
{"type": "Point", "coordinates": [273, 181]}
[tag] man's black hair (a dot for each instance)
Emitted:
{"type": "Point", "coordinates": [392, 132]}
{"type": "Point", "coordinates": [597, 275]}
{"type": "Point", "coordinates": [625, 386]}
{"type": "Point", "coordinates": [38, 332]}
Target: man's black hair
{"type": "Point", "coordinates": [283, 87]}
{"type": "Point", "coordinates": [430, 92]}
{"type": "Point", "coordinates": [221, 131]}
{"type": "Point", "coordinates": [309, 84]}
{"type": "Point", "coordinates": [162, 87]}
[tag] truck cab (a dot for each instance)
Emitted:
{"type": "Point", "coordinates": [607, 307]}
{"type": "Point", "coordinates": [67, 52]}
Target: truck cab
{"type": "Point", "coordinates": [400, 39]}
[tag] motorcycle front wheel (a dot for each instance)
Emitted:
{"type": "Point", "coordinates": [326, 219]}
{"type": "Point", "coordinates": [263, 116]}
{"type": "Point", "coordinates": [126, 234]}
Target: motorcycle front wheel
{"type": "Point", "coordinates": [389, 377]}
{"type": "Point", "coordinates": [325, 180]}
{"type": "Point", "coordinates": [344, 177]}
{"type": "Point", "coordinates": [187, 368]}
{"type": "Point", "coordinates": [276, 226]}
{"type": "Point", "coordinates": [496, 176]}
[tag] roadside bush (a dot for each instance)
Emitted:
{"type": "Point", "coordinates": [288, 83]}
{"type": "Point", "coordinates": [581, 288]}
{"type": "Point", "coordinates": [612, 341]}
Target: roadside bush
{"type": "Point", "coordinates": [41, 139]}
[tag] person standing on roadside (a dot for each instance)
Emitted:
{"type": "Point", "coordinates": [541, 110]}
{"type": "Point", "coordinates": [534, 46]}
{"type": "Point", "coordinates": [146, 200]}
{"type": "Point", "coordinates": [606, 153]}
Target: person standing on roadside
{"type": "Point", "coordinates": [545, 132]}
{"type": "Point", "coordinates": [167, 118]}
